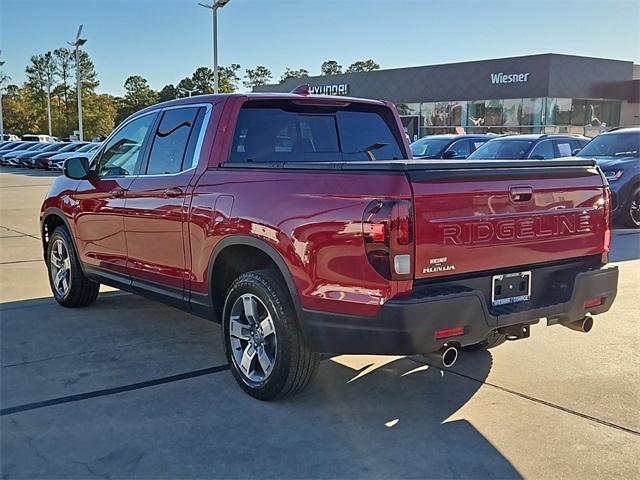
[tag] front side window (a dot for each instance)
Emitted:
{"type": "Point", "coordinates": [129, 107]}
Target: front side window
{"type": "Point", "coordinates": [543, 151]}
{"type": "Point", "coordinates": [121, 154]}
{"type": "Point", "coordinates": [171, 140]}
{"type": "Point", "coordinates": [460, 148]}
{"type": "Point", "coordinates": [286, 132]}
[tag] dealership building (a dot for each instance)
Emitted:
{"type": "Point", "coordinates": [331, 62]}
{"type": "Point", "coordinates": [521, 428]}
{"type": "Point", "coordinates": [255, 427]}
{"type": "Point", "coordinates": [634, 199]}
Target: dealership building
{"type": "Point", "coordinates": [548, 93]}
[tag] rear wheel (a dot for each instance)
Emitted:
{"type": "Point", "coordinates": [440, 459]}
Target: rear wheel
{"type": "Point", "coordinates": [631, 216]}
{"type": "Point", "coordinates": [494, 339]}
{"type": "Point", "coordinates": [263, 343]}
{"type": "Point", "coordinates": [68, 283]}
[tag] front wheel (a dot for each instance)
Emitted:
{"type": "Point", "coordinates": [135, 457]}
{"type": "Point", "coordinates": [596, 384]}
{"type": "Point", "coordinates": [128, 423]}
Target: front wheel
{"type": "Point", "coordinates": [264, 346]}
{"type": "Point", "coordinates": [69, 286]}
{"type": "Point", "coordinates": [631, 217]}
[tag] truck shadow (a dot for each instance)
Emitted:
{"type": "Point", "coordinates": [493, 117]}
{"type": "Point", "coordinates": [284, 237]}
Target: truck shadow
{"type": "Point", "coordinates": [362, 416]}
{"type": "Point", "coordinates": [625, 245]}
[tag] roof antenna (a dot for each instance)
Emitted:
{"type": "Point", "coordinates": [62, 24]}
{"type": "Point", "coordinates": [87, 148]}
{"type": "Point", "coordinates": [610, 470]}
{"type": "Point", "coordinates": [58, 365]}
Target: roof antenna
{"type": "Point", "coordinates": [301, 89]}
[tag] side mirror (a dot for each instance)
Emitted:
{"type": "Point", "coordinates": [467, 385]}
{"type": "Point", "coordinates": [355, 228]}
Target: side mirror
{"type": "Point", "coordinates": [77, 168]}
{"type": "Point", "coordinates": [575, 152]}
{"type": "Point", "coordinates": [449, 154]}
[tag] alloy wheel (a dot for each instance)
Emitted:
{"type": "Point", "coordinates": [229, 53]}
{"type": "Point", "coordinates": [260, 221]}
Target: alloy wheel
{"type": "Point", "coordinates": [60, 266]}
{"type": "Point", "coordinates": [253, 339]}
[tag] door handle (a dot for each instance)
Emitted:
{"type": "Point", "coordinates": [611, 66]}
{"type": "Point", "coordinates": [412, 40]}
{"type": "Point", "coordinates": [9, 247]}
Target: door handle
{"type": "Point", "coordinates": [521, 193]}
{"type": "Point", "coordinates": [117, 192]}
{"type": "Point", "coordinates": [173, 192]}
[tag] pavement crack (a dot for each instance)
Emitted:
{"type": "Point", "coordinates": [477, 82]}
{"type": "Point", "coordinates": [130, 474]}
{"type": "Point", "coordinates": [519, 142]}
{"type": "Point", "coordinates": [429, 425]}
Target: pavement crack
{"type": "Point", "coordinates": [113, 391]}
{"type": "Point", "coordinates": [536, 400]}
{"type": "Point", "coordinates": [21, 233]}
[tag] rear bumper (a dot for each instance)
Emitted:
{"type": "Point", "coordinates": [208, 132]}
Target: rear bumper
{"type": "Point", "coordinates": [408, 326]}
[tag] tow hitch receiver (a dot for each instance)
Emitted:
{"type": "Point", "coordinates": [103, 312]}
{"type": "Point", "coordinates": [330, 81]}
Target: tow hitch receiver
{"type": "Point", "coordinates": [515, 332]}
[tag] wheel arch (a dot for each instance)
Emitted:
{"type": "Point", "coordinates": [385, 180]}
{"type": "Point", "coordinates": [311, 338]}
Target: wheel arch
{"type": "Point", "coordinates": [240, 242]}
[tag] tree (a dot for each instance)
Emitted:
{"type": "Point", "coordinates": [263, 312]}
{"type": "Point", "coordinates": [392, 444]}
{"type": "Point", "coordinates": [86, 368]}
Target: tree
{"type": "Point", "coordinates": [330, 67]}
{"type": "Point", "coordinates": [228, 78]}
{"type": "Point", "coordinates": [138, 94]}
{"type": "Point", "coordinates": [99, 115]}
{"type": "Point", "coordinates": [63, 58]}
{"type": "Point", "coordinates": [257, 76]}
{"type": "Point", "coordinates": [363, 66]}
{"type": "Point", "coordinates": [289, 73]}
{"type": "Point", "coordinates": [168, 92]}
{"type": "Point", "coordinates": [185, 87]}
{"type": "Point", "coordinates": [88, 76]}
{"type": "Point", "coordinates": [202, 80]}
{"type": "Point", "coordinates": [41, 73]}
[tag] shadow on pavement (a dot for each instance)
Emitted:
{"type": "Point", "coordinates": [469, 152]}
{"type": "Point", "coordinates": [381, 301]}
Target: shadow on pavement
{"type": "Point", "coordinates": [363, 416]}
{"type": "Point", "coordinates": [625, 245]}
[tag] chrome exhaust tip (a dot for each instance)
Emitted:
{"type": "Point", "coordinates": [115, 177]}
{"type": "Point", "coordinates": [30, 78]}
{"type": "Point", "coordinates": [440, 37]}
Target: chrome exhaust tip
{"type": "Point", "coordinates": [446, 356]}
{"type": "Point", "coordinates": [583, 325]}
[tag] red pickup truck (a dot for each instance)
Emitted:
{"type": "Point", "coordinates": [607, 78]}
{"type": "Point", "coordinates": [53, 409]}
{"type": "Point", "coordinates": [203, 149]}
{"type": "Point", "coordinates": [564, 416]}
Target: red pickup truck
{"type": "Point", "coordinates": [301, 224]}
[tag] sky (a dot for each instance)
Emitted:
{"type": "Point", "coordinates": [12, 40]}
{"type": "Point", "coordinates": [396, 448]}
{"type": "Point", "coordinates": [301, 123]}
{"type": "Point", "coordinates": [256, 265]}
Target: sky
{"type": "Point", "coordinates": [166, 40]}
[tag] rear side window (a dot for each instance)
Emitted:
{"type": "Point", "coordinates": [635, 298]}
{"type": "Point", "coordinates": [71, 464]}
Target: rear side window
{"type": "Point", "coordinates": [286, 132]}
{"type": "Point", "coordinates": [564, 147]}
{"type": "Point", "coordinates": [171, 140]}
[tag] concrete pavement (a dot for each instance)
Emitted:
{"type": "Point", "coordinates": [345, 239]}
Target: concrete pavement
{"type": "Point", "coordinates": [126, 389]}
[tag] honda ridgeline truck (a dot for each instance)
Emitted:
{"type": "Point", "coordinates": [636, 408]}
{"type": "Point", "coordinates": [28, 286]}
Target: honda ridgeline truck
{"type": "Point", "coordinates": [303, 226]}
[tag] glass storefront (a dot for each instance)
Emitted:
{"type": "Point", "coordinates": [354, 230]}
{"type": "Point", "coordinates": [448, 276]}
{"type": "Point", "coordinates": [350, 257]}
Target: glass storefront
{"type": "Point", "coordinates": [518, 115]}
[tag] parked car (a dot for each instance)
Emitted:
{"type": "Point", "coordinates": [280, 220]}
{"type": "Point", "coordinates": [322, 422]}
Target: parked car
{"type": "Point", "coordinates": [293, 220]}
{"type": "Point", "coordinates": [56, 162]}
{"type": "Point", "coordinates": [39, 138]}
{"type": "Point", "coordinates": [448, 146]}
{"type": "Point", "coordinates": [616, 153]}
{"type": "Point", "coordinates": [533, 147]}
{"type": "Point", "coordinates": [41, 160]}
{"type": "Point", "coordinates": [8, 146]}
{"type": "Point", "coordinates": [10, 137]}
{"type": "Point", "coordinates": [9, 155]}
{"type": "Point", "coordinates": [28, 160]}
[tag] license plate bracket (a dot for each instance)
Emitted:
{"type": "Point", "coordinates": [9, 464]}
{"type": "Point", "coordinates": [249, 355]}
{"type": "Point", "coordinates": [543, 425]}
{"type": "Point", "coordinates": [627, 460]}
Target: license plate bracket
{"type": "Point", "coordinates": [510, 288]}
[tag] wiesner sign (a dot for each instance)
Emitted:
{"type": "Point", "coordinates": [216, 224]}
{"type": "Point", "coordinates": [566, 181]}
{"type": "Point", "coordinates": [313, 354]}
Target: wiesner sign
{"type": "Point", "coordinates": [336, 89]}
{"type": "Point", "coordinates": [509, 77]}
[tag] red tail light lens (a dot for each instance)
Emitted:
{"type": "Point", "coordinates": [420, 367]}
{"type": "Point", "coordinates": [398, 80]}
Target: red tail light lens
{"type": "Point", "coordinates": [388, 234]}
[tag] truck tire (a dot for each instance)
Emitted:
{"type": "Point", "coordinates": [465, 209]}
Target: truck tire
{"type": "Point", "coordinates": [631, 216]}
{"type": "Point", "coordinates": [264, 346]}
{"type": "Point", "coordinates": [68, 283]}
{"type": "Point", "coordinates": [494, 340]}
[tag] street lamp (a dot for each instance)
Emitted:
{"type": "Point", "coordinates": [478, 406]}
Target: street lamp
{"type": "Point", "coordinates": [78, 42]}
{"type": "Point", "coordinates": [214, 9]}
{"type": "Point", "coordinates": [1, 87]}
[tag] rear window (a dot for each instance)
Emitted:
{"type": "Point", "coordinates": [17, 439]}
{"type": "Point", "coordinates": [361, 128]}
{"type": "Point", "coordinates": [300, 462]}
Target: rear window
{"type": "Point", "coordinates": [286, 132]}
{"type": "Point", "coordinates": [502, 150]}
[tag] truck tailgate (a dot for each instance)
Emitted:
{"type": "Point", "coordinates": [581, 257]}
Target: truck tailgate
{"type": "Point", "coordinates": [472, 219]}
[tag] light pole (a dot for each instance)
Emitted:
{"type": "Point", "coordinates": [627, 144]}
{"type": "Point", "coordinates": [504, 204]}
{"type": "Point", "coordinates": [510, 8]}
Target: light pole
{"type": "Point", "coordinates": [2, 78]}
{"type": "Point", "coordinates": [78, 42]}
{"type": "Point", "coordinates": [214, 9]}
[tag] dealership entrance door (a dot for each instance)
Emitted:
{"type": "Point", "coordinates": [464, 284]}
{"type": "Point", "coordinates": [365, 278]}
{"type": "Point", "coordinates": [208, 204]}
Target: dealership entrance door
{"type": "Point", "coordinates": [411, 125]}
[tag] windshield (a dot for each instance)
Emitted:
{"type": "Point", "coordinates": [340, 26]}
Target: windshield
{"type": "Point", "coordinates": [87, 148]}
{"type": "Point", "coordinates": [429, 147]}
{"type": "Point", "coordinates": [613, 144]}
{"type": "Point", "coordinates": [502, 150]}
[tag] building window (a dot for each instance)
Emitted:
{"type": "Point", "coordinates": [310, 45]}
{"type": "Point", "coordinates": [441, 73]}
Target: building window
{"type": "Point", "coordinates": [558, 111]}
{"type": "Point", "coordinates": [531, 111]}
{"type": "Point", "coordinates": [511, 112]}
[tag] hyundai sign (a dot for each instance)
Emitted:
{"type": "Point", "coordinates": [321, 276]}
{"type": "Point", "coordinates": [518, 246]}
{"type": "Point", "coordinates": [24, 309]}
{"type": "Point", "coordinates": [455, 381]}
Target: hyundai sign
{"type": "Point", "coordinates": [336, 89]}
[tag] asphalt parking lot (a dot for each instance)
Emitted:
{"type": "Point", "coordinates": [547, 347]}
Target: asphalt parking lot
{"type": "Point", "coordinates": [129, 388]}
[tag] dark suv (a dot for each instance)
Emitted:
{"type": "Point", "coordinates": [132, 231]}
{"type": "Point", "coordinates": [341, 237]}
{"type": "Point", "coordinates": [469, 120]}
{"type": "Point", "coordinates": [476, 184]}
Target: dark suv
{"type": "Point", "coordinates": [532, 147]}
{"type": "Point", "coordinates": [617, 155]}
{"type": "Point", "coordinates": [448, 146]}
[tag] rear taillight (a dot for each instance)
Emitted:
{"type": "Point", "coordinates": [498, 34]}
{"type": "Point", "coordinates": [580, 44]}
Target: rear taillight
{"type": "Point", "coordinates": [606, 241]}
{"type": "Point", "coordinates": [387, 228]}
